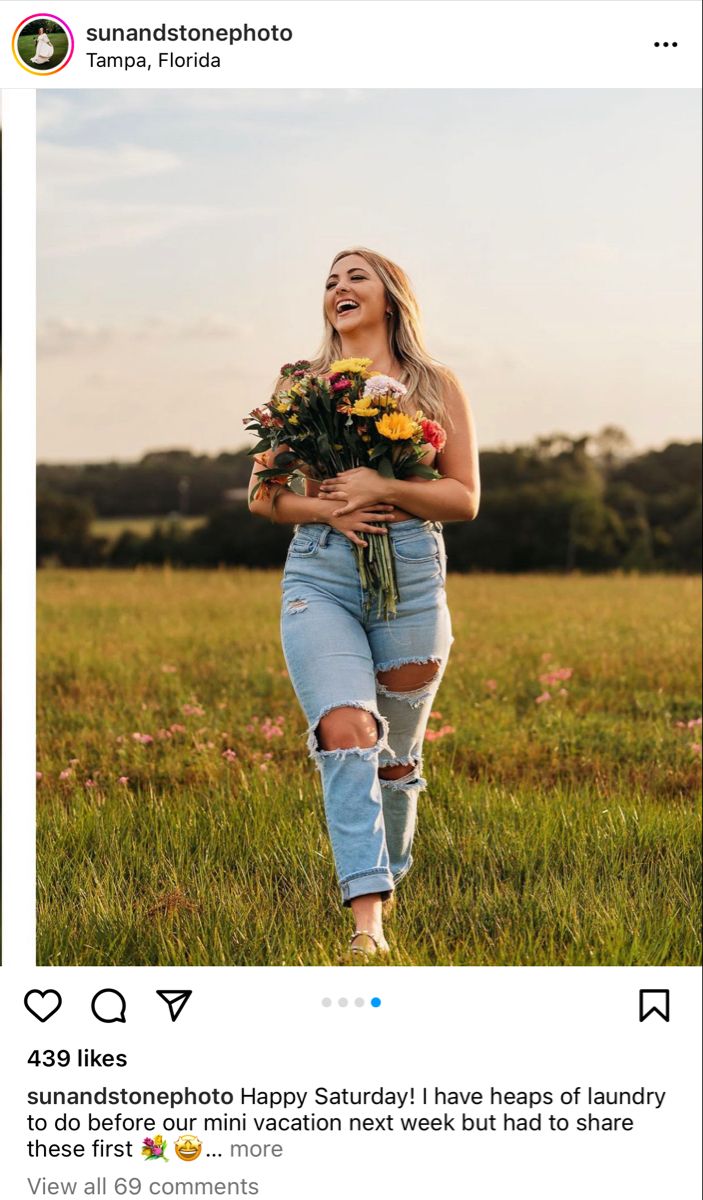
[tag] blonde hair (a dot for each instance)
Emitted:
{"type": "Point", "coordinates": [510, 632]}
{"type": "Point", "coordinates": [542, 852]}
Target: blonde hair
{"type": "Point", "coordinates": [424, 377]}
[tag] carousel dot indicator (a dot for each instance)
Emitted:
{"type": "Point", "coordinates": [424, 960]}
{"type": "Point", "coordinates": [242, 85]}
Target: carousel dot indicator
{"type": "Point", "coordinates": [326, 1003]}
{"type": "Point", "coordinates": [342, 1002]}
{"type": "Point", "coordinates": [376, 1002]}
{"type": "Point", "coordinates": [359, 1002]}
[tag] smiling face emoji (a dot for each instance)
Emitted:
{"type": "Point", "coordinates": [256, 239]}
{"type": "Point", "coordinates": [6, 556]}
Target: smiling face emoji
{"type": "Point", "coordinates": [188, 1147]}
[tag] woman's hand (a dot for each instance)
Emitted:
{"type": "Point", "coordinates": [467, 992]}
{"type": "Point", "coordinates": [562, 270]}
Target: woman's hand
{"type": "Point", "coordinates": [370, 519]}
{"type": "Point", "coordinates": [360, 487]}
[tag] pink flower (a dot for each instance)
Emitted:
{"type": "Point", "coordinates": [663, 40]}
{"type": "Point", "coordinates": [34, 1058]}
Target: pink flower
{"type": "Point", "coordinates": [230, 755]}
{"type": "Point", "coordinates": [433, 434]}
{"type": "Point", "coordinates": [541, 699]}
{"type": "Point", "coordinates": [341, 384]}
{"type": "Point", "coordinates": [66, 774]}
{"type": "Point", "coordinates": [120, 738]}
{"type": "Point", "coordinates": [563, 692]}
{"type": "Point", "coordinates": [144, 739]}
{"type": "Point", "coordinates": [558, 675]}
{"type": "Point", "coordinates": [491, 684]}
{"type": "Point", "coordinates": [436, 714]}
{"type": "Point", "coordinates": [177, 728]}
{"type": "Point", "coordinates": [73, 762]}
{"type": "Point", "coordinates": [90, 783]}
{"type": "Point", "coordinates": [123, 779]}
{"type": "Point", "coordinates": [695, 721]}
{"type": "Point", "coordinates": [546, 656]}
{"type": "Point", "coordinates": [192, 710]}
{"type": "Point", "coordinates": [263, 766]}
{"type": "Point", "coordinates": [696, 747]}
{"type": "Point", "coordinates": [163, 734]}
{"type": "Point", "coordinates": [40, 776]}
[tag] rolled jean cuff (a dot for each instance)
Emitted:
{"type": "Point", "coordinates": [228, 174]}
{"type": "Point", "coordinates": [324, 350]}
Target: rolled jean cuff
{"type": "Point", "coordinates": [367, 883]}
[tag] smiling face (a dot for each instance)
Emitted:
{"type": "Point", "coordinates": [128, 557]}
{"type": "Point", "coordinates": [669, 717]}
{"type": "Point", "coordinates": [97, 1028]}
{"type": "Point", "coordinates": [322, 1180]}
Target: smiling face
{"type": "Point", "coordinates": [188, 1147]}
{"type": "Point", "coordinates": [355, 297]}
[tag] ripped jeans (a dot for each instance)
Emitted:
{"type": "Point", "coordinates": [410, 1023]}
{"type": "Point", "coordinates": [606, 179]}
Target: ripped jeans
{"type": "Point", "coordinates": [334, 653]}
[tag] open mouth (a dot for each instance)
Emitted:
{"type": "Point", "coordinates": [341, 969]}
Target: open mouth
{"type": "Point", "coordinates": [346, 306]}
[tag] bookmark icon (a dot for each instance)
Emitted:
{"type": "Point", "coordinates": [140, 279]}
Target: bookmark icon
{"type": "Point", "coordinates": [176, 1001]}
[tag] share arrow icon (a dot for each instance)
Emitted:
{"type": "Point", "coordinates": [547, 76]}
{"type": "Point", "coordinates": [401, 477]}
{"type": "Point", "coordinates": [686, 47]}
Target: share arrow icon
{"type": "Point", "coordinates": [176, 1001]}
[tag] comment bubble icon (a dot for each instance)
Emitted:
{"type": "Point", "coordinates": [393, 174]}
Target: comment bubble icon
{"type": "Point", "coordinates": [109, 1005]}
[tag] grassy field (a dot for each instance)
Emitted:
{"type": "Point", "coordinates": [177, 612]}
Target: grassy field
{"type": "Point", "coordinates": [560, 831]}
{"type": "Point", "coordinates": [27, 46]}
{"type": "Point", "coordinates": [112, 527]}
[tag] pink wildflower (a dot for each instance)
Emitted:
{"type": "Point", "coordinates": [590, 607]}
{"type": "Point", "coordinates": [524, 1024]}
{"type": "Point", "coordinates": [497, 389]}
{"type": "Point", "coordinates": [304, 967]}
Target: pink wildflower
{"type": "Point", "coordinates": [144, 739]}
{"type": "Point", "coordinates": [695, 721]}
{"type": "Point", "coordinates": [696, 747]}
{"type": "Point", "coordinates": [192, 710]}
{"type": "Point", "coordinates": [436, 714]}
{"type": "Point", "coordinates": [491, 684]}
{"type": "Point", "coordinates": [230, 755]}
{"type": "Point", "coordinates": [66, 774]}
{"type": "Point", "coordinates": [90, 783]}
{"type": "Point", "coordinates": [123, 779]}
{"type": "Point", "coordinates": [446, 729]}
{"type": "Point", "coordinates": [177, 728]}
{"type": "Point", "coordinates": [40, 776]}
{"type": "Point", "coordinates": [541, 699]}
{"type": "Point", "coordinates": [163, 734]}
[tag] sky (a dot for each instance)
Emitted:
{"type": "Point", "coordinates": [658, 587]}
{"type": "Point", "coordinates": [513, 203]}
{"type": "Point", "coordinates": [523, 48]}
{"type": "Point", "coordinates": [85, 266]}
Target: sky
{"type": "Point", "coordinates": [184, 237]}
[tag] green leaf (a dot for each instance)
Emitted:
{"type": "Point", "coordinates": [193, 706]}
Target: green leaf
{"type": "Point", "coordinates": [385, 468]}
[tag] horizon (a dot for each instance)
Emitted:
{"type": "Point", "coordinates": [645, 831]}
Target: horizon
{"type": "Point", "coordinates": [634, 451]}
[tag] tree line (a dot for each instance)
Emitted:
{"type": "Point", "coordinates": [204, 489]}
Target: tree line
{"type": "Point", "coordinates": [560, 503]}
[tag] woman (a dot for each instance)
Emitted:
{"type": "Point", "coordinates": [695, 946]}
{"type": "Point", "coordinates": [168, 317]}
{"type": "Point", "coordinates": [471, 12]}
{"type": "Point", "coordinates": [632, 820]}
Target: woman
{"type": "Point", "coordinates": [367, 685]}
{"type": "Point", "coordinates": [43, 50]}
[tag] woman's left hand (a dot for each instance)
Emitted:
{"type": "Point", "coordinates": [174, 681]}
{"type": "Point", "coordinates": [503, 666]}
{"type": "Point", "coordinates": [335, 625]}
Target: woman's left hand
{"type": "Point", "coordinates": [357, 488]}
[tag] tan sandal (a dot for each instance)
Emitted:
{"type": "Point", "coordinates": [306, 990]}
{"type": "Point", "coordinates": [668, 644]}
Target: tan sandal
{"type": "Point", "coordinates": [366, 951]}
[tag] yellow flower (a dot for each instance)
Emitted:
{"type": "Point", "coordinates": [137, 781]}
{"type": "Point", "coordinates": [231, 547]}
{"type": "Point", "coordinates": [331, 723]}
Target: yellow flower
{"type": "Point", "coordinates": [396, 426]}
{"type": "Point", "coordinates": [158, 1139]}
{"type": "Point", "coordinates": [350, 366]}
{"type": "Point", "coordinates": [363, 408]}
{"type": "Point", "coordinates": [297, 390]}
{"type": "Point", "coordinates": [282, 406]}
{"type": "Point", "coordinates": [294, 420]}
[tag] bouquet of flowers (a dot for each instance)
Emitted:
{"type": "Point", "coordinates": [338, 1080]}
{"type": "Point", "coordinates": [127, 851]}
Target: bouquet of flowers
{"type": "Point", "coordinates": [153, 1148]}
{"type": "Point", "coordinates": [347, 417]}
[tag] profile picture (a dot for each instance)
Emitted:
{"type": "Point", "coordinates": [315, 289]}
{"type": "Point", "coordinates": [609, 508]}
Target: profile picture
{"type": "Point", "coordinates": [43, 44]}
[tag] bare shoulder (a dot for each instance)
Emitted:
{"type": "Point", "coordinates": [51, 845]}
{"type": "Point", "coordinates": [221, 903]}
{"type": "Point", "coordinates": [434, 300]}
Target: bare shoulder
{"type": "Point", "coordinates": [459, 457]}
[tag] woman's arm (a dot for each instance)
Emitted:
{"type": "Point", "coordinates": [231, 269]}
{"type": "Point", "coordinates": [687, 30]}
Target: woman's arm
{"type": "Point", "coordinates": [454, 497]}
{"type": "Point", "coordinates": [285, 507]}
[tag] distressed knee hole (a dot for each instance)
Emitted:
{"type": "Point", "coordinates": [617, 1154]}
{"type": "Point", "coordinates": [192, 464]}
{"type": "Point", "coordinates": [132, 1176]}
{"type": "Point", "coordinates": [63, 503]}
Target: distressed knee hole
{"type": "Point", "coordinates": [296, 606]}
{"type": "Point", "coordinates": [346, 729]}
{"type": "Point", "coordinates": [409, 677]}
{"type": "Point", "coordinates": [400, 771]}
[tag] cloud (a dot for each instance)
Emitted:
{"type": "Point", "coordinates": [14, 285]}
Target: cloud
{"type": "Point", "coordinates": [93, 166]}
{"type": "Point", "coordinates": [61, 336]}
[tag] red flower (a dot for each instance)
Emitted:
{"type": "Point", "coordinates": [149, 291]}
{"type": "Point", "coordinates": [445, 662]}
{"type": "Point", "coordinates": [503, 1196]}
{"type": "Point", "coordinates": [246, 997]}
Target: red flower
{"type": "Point", "coordinates": [433, 434]}
{"type": "Point", "coordinates": [340, 385]}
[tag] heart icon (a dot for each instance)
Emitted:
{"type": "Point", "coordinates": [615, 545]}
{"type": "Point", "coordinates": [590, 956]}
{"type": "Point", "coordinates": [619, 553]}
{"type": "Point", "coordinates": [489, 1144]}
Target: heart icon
{"type": "Point", "coordinates": [42, 1005]}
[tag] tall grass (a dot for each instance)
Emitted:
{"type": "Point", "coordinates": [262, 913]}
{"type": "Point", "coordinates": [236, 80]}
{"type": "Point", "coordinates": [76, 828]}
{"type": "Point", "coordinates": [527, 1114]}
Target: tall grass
{"type": "Point", "coordinates": [564, 831]}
